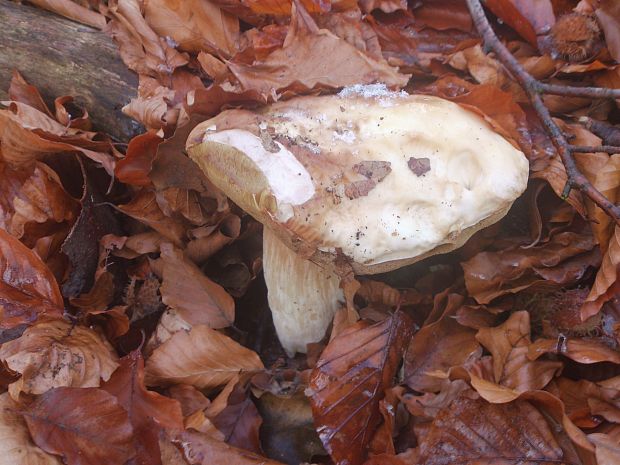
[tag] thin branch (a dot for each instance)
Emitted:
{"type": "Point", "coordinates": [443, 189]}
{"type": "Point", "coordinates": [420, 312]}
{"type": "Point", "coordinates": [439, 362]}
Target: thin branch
{"type": "Point", "coordinates": [569, 91]}
{"type": "Point", "coordinates": [593, 149]}
{"type": "Point", "coordinates": [534, 90]}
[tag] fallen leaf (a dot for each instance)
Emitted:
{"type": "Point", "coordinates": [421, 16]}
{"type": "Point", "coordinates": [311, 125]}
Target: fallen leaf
{"type": "Point", "coordinates": [606, 283]}
{"type": "Point", "coordinates": [310, 58]}
{"type": "Point", "coordinates": [32, 196]}
{"type": "Point", "coordinates": [55, 354]}
{"type": "Point", "coordinates": [140, 47]}
{"type": "Point", "coordinates": [144, 208]}
{"type": "Point", "coordinates": [239, 421]}
{"type": "Point", "coordinates": [136, 166]}
{"type": "Point", "coordinates": [28, 289]}
{"type": "Point", "coordinates": [469, 431]}
{"type": "Point", "coordinates": [530, 18]}
{"type": "Point", "coordinates": [25, 140]}
{"type": "Point", "coordinates": [438, 346]}
{"type": "Point", "coordinates": [608, 15]}
{"type": "Point", "coordinates": [85, 426]}
{"type": "Point", "coordinates": [194, 25]}
{"type": "Point", "coordinates": [190, 398]}
{"type": "Point", "coordinates": [148, 411]}
{"type": "Point", "coordinates": [428, 405]}
{"type": "Point", "coordinates": [581, 350]}
{"type": "Point", "coordinates": [82, 244]}
{"type": "Point", "coordinates": [21, 91]}
{"type": "Point", "coordinates": [73, 11]}
{"type": "Point", "coordinates": [509, 344]}
{"type": "Point", "coordinates": [16, 447]}
{"type": "Point", "coordinates": [202, 357]}
{"type": "Point", "coordinates": [196, 298]}
{"type": "Point", "coordinates": [607, 448]}
{"type": "Point", "coordinates": [349, 381]}
{"type": "Point", "coordinates": [561, 261]}
{"type": "Point", "coordinates": [201, 449]}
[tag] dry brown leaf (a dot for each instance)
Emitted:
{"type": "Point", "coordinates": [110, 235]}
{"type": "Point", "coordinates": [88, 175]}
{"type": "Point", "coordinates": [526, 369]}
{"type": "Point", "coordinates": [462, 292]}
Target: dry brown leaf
{"type": "Point", "coordinates": [349, 381]}
{"type": "Point", "coordinates": [581, 350]}
{"type": "Point", "coordinates": [473, 431]}
{"type": "Point", "coordinates": [16, 446]}
{"type": "Point", "coordinates": [310, 58]}
{"type": "Point", "coordinates": [508, 344]}
{"type": "Point", "coordinates": [559, 262]}
{"type": "Point", "coordinates": [529, 18]}
{"type": "Point", "coordinates": [608, 15]}
{"type": "Point", "coordinates": [148, 411]}
{"type": "Point", "coordinates": [190, 398]}
{"type": "Point", "coordinates": [28, 289]}
{"type": "Point", "coordinates": [21, 91]}
{"type": "Point", "coordinates": [606, 283]}
{"type": "Point", "coordinates": [195, 25]}
{"type": "Point", "coordinates": [50, 355]}
{"type": "Point", "coordinates": [141, 48]}
{"type": "Point", "coordinates": [235, 416]}
{"type": "Point", "coordinates": [25, 136]}
{"type": "Point", "coordinates": [202, 357]}
{"type": "Point", "coordinates": [85, 426]}
{"type": "Point", "coordinates": [196, 298]}
{"type": "Point", "coordinates": [607, 447]}
{"type": "Point", "coordinates": [30, 196]}
{"type": "Point", "coordinates": [201, 449]}
{"type": "Point", "coordinates": [73, 11]}
{"type": "Point", "coordinates": [144, 208]}
{"type": "Point", "coordinates": [438, 346]}
{"type": "Point", "coordinates": [136, 166]}
{"type": "Point", "coordinates": [428, 405]}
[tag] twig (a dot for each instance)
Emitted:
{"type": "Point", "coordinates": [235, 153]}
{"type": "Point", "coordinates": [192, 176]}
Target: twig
{"type": "Point", "coordinates": [534, 90]}
{"type": "Point", "coordinates": [594, 149]}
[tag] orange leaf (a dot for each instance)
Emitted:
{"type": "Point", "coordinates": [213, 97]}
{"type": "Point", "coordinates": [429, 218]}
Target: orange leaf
{"type": "Point", "coordinates": [197, 299]}
{"type": "Point", "coordinates": [201, 449]}
{"type": "Point", "coordinates": [473, 431]}
{"type": "Point", "coordinates": [201, 357]}
{"type": "Point", "coordinates": [349, 381]}
{"type": "Point", "coordinates": [438, 346]}
{"type": "Point", "coordinates": [28, 289]}
{"type": "Point", "coordinates": [148, 411]}
{"type": "Point", "coordinates": [85, 426]}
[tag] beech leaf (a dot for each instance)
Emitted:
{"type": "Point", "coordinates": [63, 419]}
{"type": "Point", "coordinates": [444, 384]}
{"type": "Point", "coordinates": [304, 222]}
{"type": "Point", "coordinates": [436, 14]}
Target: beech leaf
{"type": "Point", "coordinates": [202, 357]}
{"type": "Point", "coordinates": [28, 289]}
{"type": "Point", "coordinates": [16, 447]}
{"type": "Point", "coordinates": [349, 381]}
{"type": "Point", "coordinates": [201, 449]}
{"type": "Point", "coordinates": [438, 346]}
{"type": "Point", "coordinates": [196, 298]}
{"type": "Point", "coordinates": [55, 354]}
{"type": "Point", "coordinates": [473, 431]}
{"type": "Point", "coordinates": [313, 57]}
{"type": "Point", "coordinates": [85, 426]}
{"type": "Point", "coordinates": [148, 411]}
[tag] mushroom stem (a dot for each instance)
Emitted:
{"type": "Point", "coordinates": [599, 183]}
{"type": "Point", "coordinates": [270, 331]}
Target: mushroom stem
{"type": "Point", "coordinates": [303, 297]}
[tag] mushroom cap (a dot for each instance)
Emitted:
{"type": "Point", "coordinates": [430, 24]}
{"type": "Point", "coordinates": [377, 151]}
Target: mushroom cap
{"type": "Point", "coordinates": [382, 178]}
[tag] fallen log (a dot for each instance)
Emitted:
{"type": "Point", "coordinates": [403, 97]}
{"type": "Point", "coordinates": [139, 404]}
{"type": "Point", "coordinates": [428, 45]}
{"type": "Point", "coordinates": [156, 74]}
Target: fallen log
{"type": "Point", "coordinates": [62, 57]}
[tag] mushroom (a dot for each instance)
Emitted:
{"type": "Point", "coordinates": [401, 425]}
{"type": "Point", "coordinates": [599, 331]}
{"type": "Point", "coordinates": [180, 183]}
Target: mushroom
{"type": "Point", "coordinates": [381, 179]}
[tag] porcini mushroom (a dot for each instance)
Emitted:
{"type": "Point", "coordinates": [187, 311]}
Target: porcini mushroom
{"type": "Point", "coordinates": [381, 178]}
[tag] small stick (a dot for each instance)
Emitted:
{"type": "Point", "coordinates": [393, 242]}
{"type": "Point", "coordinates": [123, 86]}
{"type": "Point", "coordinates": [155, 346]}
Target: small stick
{"type": "Point", "coordinates": [534, 90]}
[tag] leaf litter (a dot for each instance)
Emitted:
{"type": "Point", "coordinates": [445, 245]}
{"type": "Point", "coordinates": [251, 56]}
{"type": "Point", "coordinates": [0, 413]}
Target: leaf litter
{"type": "Point", "coordinates": [506, 351]}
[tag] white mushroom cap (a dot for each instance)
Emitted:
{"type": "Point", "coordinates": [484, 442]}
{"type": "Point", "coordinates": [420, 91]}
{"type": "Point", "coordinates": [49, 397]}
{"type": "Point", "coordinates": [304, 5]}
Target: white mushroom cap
{"type": "Point", "coordinates": [387, 178]}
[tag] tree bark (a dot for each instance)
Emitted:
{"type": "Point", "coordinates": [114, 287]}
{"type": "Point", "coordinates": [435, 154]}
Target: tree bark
{"type": "Point", "coordinates": [61, 57]}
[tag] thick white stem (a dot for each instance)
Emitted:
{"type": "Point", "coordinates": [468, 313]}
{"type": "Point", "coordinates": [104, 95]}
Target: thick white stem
{"type": "Point", "coordinates": [303, 297]}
